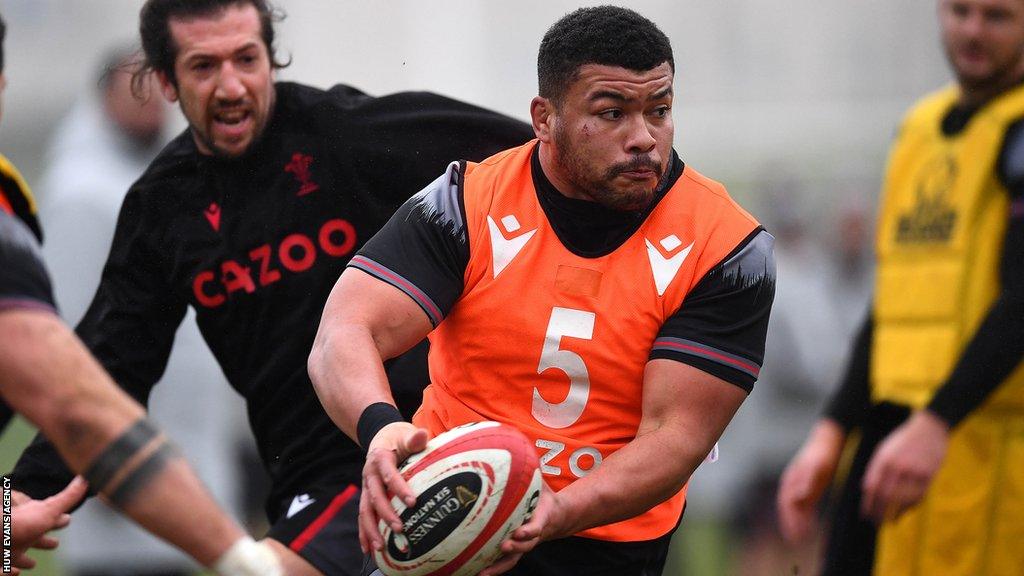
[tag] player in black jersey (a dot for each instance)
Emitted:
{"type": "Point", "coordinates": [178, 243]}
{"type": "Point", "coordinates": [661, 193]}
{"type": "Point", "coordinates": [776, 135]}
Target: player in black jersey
{"type": "Point", "coordinates": [50, 378]}
{"type": "Point", "coordinates": [249, 217]}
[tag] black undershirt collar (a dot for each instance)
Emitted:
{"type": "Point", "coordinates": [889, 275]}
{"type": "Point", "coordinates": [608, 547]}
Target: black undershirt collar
{"type": "Point", "coordinates": [960, 115]}
{"type": "Point", "coordinates": [587, 228]}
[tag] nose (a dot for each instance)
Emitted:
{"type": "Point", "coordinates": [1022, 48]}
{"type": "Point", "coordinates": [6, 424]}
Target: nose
{"type": "Point", "coordinates": [640, 139]}
{"type": "Point", "coordinates": [971, 23]}
{"type": "Point", "coordinates": [229, 83]}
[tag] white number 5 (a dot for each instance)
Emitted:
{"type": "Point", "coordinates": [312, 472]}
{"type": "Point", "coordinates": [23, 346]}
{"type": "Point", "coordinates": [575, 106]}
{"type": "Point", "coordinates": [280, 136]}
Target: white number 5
{"type": "Point", "coordinates": [576, 324]}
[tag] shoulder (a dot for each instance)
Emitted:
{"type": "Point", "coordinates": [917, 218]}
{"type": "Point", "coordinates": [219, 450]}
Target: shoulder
{"type": "Point", "coordinates": [173, 167]}
{"type": "Point", "coordinates": [440, 201]}
{"type": "Point", "coordinates": [930, 108]}
{"type": "Point", "coordinates": [707, 191]}
{"type": "Point", "coordinates": [15, 236]}
{"type": "Point", "coordinates": [1012, 160]}
{"type": "Point", "coordinates": [753, 259]}
{"type": "Point", "coordinates": [15, 190]}
{"type": "Point", "coordinates": [293, 97]}
{"type": "Point", "coordinates": [23, 277]}
{"type": "Point", "coordinates": [171, 178]}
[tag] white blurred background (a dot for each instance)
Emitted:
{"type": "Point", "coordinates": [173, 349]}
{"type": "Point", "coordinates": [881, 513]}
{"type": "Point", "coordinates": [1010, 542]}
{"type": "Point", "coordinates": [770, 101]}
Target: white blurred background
{"type": "Point", "coordinates": [790, 104]}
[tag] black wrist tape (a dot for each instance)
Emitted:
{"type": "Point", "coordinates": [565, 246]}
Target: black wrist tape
{"type": "Point", "coordinates": [119, 452]}
{"type": "Point", "coordinates": [373, 418]}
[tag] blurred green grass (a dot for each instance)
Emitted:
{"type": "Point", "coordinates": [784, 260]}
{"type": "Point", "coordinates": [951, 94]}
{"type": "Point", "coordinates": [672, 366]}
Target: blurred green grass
{"type": "Point", "coordinates": [12, 442]}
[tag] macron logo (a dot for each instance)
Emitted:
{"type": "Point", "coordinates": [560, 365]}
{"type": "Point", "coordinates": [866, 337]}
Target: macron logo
{"type": "Point", "coordinates": [299, 504]}
{"type": "Point", "coordinates": [665, 269]}
{"type": "Point", "coordinates": [504, 251]}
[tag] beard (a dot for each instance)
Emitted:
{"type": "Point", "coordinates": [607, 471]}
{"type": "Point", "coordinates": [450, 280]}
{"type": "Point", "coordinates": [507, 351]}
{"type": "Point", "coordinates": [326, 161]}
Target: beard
{"type": "Point", "coordinates": [599, 183]}
{"type": "Point", "coordinates": [1001, 74]}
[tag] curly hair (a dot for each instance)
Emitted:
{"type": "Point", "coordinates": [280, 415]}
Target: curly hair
{"type": "Point", "coordinates": [607, 35]}
{"type": "Point", "coordinates": [158, 46]}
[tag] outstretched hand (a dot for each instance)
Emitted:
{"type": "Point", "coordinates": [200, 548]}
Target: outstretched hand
{"type": "Point", "coordinates": [392, 445]}
{"type": "Point", "coordinates": [32, 519]}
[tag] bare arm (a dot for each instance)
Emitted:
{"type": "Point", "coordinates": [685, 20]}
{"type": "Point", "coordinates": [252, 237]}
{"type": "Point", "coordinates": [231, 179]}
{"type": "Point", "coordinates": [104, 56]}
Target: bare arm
{"type": "Point", "coordinates": [365, 322]}
{"type": "Point", "coordinates": [685, 411]}
{"type": "Point", "coordinates": [48, 375]}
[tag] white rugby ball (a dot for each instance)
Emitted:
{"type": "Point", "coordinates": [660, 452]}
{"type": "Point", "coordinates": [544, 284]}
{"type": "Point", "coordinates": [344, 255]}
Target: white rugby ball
{"type": "Point", "coordinates": [474, 486]}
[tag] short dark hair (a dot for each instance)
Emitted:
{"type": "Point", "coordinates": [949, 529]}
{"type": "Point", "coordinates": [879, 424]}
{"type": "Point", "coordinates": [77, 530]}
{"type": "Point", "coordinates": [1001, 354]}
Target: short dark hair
{"type": "Point", "coordinates": [607, 35]}
{"type": "Point", "coordinates": [158, 46]}
{"type": "Point", "coordinates": [3, 34]}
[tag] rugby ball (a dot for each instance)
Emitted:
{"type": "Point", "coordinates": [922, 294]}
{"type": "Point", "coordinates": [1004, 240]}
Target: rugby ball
{"type": "Point", "coordinates": [474, 486]}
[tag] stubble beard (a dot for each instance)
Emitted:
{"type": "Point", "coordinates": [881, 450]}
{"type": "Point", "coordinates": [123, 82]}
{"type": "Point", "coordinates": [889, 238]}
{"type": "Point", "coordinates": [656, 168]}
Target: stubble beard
{"type": "Point", "coordinates": [601, 188]}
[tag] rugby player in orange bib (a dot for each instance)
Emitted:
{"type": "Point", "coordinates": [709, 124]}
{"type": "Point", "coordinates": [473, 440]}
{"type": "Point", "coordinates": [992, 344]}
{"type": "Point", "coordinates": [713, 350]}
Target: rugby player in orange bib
{"type": "Point", "coordinates": [587, 287]}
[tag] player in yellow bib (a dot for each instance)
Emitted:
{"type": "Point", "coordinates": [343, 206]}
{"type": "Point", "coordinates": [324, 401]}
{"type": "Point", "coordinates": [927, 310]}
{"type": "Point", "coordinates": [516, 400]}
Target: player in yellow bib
{"type": "Point", "coordinates": [936, 385]}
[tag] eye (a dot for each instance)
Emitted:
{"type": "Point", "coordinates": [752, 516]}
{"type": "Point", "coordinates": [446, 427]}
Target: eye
{"type": "Point", "coordinates": [661, 111]}
{"type": "Point", "coordinates": [613, 114]}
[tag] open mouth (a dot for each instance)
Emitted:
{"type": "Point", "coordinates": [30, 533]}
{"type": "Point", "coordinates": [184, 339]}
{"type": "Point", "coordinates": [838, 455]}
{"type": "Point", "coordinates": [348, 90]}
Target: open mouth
{"type": "Point", "coordinates": [232, 123]}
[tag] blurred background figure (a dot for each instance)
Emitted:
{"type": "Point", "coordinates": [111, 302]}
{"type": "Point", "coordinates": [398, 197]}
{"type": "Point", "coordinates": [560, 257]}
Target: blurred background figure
{"type": "Point", "coordinates": [94, 155]}
{"type": "Point", "coordinates": [823, 257]}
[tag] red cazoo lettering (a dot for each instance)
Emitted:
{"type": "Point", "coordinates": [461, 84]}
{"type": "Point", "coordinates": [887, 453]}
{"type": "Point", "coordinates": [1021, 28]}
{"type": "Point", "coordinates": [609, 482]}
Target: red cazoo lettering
{"type": "Point", "coordinates": [295, 253]}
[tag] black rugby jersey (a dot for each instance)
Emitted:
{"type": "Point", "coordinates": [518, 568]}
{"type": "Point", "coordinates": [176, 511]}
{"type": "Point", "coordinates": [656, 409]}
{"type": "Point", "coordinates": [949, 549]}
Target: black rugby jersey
{"type": "Point", "coordinates": [24, 282]}
{"type": "Point", "coordinates": [255, 245]}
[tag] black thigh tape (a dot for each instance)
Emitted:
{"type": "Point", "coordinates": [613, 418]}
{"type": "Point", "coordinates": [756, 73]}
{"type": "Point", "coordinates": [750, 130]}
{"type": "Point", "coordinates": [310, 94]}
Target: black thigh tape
{"type": "Point", "coordinates": [114, 457]}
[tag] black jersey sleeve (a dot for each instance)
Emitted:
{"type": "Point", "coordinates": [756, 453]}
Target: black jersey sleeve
{"type": "Point", "coordinates": [722, 325]}
{"type": "Point", "coordinates": [402, 141]}
{"type": "Point", "coordinates": [423, 250]}
{"type": "Point", "coordinates": [24, 282]}
{"type": "Point", "coordinates": [998, 345]}
{"type": "Point", "coordinates": [851, 401]}
{"type": "Point", "coordinates": [129, 327]}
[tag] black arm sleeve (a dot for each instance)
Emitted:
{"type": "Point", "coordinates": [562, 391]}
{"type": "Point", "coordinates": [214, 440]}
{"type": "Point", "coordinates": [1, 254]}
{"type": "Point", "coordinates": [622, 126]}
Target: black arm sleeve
{"type": "Point", "coordinates": [998, 345]}
{"type": "Point", "coordinates": [722, 325]}
{"type": "Point", "coordinates": [423, 250]}
{"type": "Point", "coordinates": [852, 399]}
{"type": "Point", "coordinates": [24, 282]}
{"type": "Point", "coordinates": [129, 327]}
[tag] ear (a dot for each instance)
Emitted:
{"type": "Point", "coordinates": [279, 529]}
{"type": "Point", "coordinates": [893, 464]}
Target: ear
{"type": "Point", "coordinates": [167, 87]}
{"type": "Point", "coordinates": [542, 115]}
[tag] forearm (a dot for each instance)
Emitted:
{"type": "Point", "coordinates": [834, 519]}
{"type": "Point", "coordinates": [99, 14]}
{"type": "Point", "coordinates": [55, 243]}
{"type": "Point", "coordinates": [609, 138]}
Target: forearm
{"type": "Point", "coordinates": [600, 498]}
{"type": "Point", "coordinates": [672, 439]}
{"type": "Point", "coordinates": [347, 373]}
{"type": "Point", "coordinates": [56, 384]}
{"type": "Point", "coordinates": [50, 378]}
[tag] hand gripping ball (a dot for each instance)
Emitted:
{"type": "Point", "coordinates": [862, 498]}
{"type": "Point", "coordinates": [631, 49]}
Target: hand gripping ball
{"type": "Point", "coordinates": [474, 485]}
